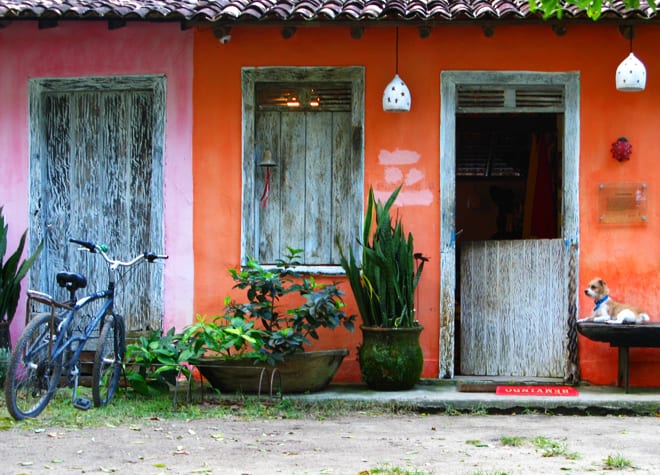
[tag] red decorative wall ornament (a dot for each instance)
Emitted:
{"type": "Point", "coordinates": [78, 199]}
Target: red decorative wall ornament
{"type": "Point", "coordinates": [621, 149]}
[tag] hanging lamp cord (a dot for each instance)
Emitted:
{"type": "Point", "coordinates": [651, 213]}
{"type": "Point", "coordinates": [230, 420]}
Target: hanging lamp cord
{"type": "Point", "coordinates": [396, 49]}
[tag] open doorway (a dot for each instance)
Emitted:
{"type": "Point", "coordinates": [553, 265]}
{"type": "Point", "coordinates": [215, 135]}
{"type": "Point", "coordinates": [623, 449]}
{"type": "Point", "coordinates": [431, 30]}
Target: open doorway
{"type": "Point", "coordinates": [508, 176]}
{"type": "Point", "coordinates": [508, 189]}
{"type": "Point", "coordinates": [517, 325]}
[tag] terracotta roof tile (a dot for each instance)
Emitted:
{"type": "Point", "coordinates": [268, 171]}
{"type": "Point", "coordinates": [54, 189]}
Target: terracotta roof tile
{"type": "Point", "coordinates": [296, 10]}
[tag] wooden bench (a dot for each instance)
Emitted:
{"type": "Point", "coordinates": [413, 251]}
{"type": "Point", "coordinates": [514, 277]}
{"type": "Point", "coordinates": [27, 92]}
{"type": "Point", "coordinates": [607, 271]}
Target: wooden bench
{"type": "Point", "coordinates": [623, 337]}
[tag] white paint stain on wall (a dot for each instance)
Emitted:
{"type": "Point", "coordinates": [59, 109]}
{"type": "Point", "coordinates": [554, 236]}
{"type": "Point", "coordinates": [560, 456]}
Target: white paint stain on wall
{"type": "Point", "coordinates": [399, 168]}
{"type": "Point", "coordinates": [414, 176]}
{"type": "Point", "coordinates": [393, 175]}
{"type": "Point", "coordinates": [398, 157]}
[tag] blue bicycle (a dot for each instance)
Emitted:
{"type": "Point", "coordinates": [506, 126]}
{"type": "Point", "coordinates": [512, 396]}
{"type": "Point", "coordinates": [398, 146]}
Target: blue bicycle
{"type": "Point", "coordinates": [52, 343]}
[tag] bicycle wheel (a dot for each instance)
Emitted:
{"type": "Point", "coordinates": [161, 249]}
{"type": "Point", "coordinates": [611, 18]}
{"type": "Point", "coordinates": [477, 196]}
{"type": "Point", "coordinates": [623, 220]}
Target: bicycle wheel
{"type": "Point", "coordinates": [32, 377]}
{"type": "Point", "coordinates": [108, 360]}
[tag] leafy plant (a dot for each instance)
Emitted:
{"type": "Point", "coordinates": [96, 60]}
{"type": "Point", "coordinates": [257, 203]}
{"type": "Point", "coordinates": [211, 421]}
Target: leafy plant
{"type": "Point", "coordinates": [593, 8]}
{"type": "Point", "coordinates": [224, 336]}
{"type": "Point", "coordinates": [385, 280]}
{"type": "Point", "coordinates": [259, 328]}
{"type": "Point", "coordinates": [154, 361]}
{"type": "Point", "coordinates": [12, 272]}
{"type": "Point", "coordinates": [285, 331]}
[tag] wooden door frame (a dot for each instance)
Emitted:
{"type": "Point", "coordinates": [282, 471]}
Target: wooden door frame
{"type": "Point", "coordinates": [39, 86]}
{"type": "Point", "coordinates": [156, 85]}
{"type": "Point", "coordinates": [250, 76]}
{"type": "Point", "coordinates": [450, 81]}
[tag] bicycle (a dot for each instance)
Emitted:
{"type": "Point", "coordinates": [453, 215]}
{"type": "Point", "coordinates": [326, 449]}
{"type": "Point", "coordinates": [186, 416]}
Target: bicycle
{"type": "Point", "coordinates": [52, 342]}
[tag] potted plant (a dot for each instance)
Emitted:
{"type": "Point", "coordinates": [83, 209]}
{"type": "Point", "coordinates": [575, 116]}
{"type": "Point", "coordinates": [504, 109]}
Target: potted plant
{"type": "Point", "coordinates": [154, 361]}
{"type": "Point", "coordinates": [12, 272]}
{"type": "Point", "coordinates": [383, 283]}
{"type": "Point", "coordinates": [283, 313]}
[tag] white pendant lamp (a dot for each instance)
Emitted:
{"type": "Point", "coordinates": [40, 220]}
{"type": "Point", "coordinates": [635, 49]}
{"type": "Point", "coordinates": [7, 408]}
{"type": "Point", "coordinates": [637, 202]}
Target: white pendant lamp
{"type": "Point", "coordinates": [396, 97]}
{"type": "Point", "coordinates": [631, 73]}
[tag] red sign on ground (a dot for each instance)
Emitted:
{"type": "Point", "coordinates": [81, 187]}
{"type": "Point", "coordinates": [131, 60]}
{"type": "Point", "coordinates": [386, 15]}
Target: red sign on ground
{"type": "Point", "coordinates": [536, 391]}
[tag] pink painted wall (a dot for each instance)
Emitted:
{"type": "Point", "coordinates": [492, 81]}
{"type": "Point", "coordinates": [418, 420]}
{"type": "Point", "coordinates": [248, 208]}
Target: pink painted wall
{"type": "Point", "coordinates": [74, 49]}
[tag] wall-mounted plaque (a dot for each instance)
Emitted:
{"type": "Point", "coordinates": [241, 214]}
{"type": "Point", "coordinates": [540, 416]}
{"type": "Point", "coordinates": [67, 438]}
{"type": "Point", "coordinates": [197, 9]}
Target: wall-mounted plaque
{"type": "Point", "coordinates": [622, 203]}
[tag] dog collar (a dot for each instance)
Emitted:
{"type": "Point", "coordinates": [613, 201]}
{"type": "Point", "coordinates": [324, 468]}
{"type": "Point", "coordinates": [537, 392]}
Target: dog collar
{"type": "Point", "coordinates": [599, 302]}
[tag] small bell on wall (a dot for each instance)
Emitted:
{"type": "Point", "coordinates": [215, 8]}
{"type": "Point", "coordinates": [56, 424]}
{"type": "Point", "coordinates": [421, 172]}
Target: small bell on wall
{"type": "Point", "coordinates": [267, 161]}
{"type": "Point", "coordinates": [396, 97]}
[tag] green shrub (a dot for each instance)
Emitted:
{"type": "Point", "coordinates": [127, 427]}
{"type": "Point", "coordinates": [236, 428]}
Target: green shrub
{"type": "Point", "coordinates": [12, 272]}
{"type": "Point", "coordinates": [4, 360]}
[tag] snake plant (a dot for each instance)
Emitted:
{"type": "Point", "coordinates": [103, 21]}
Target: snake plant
{"type": "Point", "coordinates": [12, 272]}
{"type": "Point", "coordinates": [385, 280]}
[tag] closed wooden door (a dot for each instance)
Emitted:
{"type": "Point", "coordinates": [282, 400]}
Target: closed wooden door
{"type": "Point", "coordinates": [308, 201]}
{"type": "Point", "coordinates": [514, 308]}
{"type": "Point", "coordinates": [97, 175]}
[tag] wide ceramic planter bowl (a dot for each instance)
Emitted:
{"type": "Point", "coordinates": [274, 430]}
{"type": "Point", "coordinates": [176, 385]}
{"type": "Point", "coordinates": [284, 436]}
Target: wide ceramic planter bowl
{"type": "Point", "coordinates": [391, 359]}
{"type": "Point", "coordinates": [304, 372]}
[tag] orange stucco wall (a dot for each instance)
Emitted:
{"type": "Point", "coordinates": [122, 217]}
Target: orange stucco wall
{"type": "Point", "coordinates": [627, 256]}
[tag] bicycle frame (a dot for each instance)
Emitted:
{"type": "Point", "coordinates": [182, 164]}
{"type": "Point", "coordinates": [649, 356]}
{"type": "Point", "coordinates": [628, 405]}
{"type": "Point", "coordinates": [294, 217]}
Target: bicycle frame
{"type": "Point", "coordinates": [63, 343]}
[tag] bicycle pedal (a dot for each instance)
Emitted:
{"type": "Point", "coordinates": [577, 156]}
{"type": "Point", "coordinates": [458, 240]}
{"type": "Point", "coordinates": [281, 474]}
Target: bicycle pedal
{"type": "Point", "coordinates": [82, 403]}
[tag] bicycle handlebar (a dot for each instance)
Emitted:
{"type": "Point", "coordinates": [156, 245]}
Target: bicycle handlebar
{"type": "Point", "coordinates": [115, 263]}
{"type": "Point", "coordinates": [90, 246]}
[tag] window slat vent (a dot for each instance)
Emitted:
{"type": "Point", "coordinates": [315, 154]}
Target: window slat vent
{"type": "Point", "coordinates": [332, 97]}
{"type": "Point", "coordinates": [510, 99]}
{"type": "Point", "coordinates": [542, 99]}
{"type": "Point", "coordinates": [480, 98]}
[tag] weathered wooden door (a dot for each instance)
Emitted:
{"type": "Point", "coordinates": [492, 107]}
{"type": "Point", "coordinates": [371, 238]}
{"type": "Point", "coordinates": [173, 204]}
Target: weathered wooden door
{"type": "Point", "coordinates": [307, 145]}
{"type": "Point", "coordinates": [308, 123]}
{"type": "Point", "coordinates": [514, 313]}
{"type": "Point", "coordinates": [309, 194]}
{"type": "Point", "coordinates": [96, 174]}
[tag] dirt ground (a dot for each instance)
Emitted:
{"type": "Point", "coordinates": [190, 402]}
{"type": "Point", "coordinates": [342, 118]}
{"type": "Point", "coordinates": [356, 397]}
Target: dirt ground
{"type": "Point", "coordinates": [361, 444]}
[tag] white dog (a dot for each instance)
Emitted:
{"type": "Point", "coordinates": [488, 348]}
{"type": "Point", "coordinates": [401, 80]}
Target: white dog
{"type": "Point", "coordinates": [609, 311]}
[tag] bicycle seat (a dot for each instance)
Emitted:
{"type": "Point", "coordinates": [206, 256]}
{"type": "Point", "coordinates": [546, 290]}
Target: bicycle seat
{"type": "Point", "coordinates": [71, 280]}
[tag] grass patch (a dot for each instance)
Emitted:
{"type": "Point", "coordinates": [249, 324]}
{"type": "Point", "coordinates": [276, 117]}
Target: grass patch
{"type": "Point", "coordinates": [512, 441]}
{"type": "Point", "coordinates": [617, 462]}
{"type": "Point", "coordinates": [452, 411]}
{"type": "Point", "coordinates": [553, 448]}
{"type": "Point", "coordinates": [478, 411]}
{"type": "Point", "coordinates": [391, 470]}
{"type": "Point", "coordinates": [476, 443]}
{"type": "Point", "coordinates": [128, 407]}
